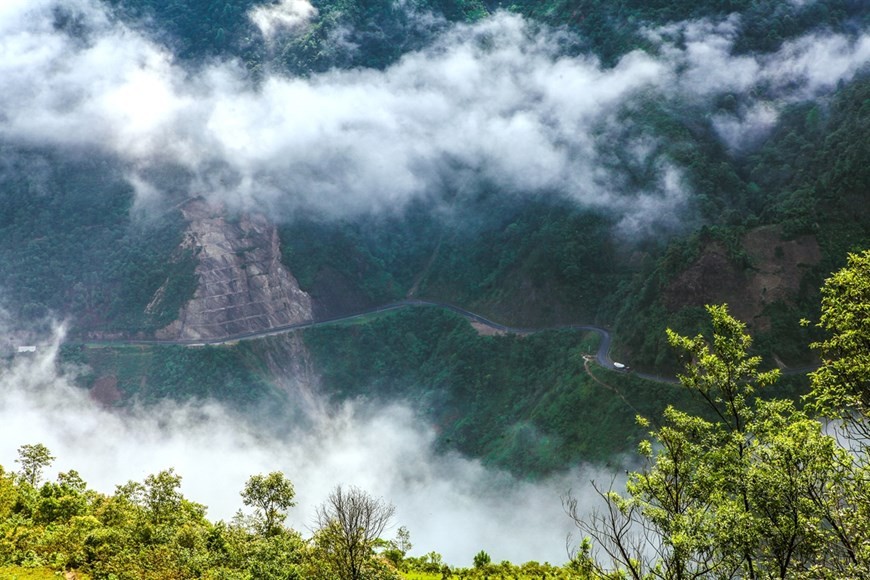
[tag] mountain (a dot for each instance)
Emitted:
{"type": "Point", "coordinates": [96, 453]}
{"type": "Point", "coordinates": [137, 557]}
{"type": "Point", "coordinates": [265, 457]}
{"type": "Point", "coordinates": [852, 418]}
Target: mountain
{"type": "Point", "coordinates": [199, 171]}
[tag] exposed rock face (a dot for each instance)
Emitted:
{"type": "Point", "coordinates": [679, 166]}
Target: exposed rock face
{"type": "Point", "coordinates": [242, 285]}
{"type": "Point", "coordinates": [776, 270]}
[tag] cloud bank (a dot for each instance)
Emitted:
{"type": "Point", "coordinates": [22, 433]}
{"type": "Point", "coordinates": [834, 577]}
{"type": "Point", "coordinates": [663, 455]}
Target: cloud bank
{"type": "Point", "coordinates": [494, 104]}
{"type": "Point", "coordinates": [450, 504]}
{"type": "Point", "coordinates": [802, 69]}
{"type": "Point", "coordinates": [285, 15]}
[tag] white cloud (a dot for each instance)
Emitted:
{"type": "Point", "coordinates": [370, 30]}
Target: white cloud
{"type": "Point", "coordinates": [666, 203]}
{"type": "Point", "coordinates": [492, 103]}
{"type": "Point", "coordinates": [702, 65]}
{"type": "Point", "coordinates": [286, 15]}
{"type": "Point", "coordinates": [803, 68]}
{"type": "Point", "coordinates": [816, 63]}
{"type": "Point", "coordinates": [746, 127]}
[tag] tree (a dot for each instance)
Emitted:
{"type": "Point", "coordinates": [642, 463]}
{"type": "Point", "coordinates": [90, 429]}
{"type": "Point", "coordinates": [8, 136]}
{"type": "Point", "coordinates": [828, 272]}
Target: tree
{"type": "Point", "coordinates": [399, 547]}
{"type": "Point", "coordinates": [402, 543]}
{"type": "Point", "coordinates": [841, 386]}
{"type": "Point", "coordinates": [162, 496]}
{"type": "Point", "coordinates": [349, 523]}
{"type": "Point", "coordinates": [754, 489]}
{"type": "Point", "coordinates": [270, 496]}
{"type": "Point", "coordinates": [481, 559]}
{"type": "Point", "coordinates": [62, 500]}
{"type": "Point", "coordinates": [33, 459]}
{"type": "Point", "coordinates": [275, 557]}
{"type": "Point", "coordinates": [841, 392]}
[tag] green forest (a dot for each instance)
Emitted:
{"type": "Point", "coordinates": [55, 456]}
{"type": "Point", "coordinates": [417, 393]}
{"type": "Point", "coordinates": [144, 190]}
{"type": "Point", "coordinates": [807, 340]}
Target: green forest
{"type": "Point", "coordinates": [149, 530]}
{"type": "Point", "coordinates": [526, 403]}
{"type": "Point", "coordinates": [713, 226]}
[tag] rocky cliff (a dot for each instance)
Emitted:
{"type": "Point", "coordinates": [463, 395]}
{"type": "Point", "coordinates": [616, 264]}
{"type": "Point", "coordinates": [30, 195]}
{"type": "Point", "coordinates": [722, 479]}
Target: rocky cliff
{"type": "Point", "coordinates": [242, 286]}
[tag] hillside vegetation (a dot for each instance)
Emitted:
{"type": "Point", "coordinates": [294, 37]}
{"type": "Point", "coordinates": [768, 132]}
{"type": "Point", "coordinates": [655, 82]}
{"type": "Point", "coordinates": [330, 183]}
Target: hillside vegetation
{"type": "Point", "coordinates": [528, 403]}
{"type": "Point", "coordinates": [150, 374]}
{"type": "Point", "coordinates": [754, 489]}
{"type": "Point", "coordinates": [149, 530]}
{"type": "Point", "coordinates": [71, 246]}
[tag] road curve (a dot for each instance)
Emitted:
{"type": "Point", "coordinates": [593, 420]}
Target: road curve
{"type": "Point", "coordinates": [602, 357]}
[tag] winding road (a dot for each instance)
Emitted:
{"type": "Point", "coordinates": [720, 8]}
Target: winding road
{"type": "Point", "coordinates": [602, 357]}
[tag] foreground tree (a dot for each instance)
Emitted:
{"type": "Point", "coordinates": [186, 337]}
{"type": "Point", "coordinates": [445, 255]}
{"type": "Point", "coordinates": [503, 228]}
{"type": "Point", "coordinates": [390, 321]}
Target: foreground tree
{"type": "Point", "coordinates": [33, 460]}
{"type": "Point", "coordinates": [841, 394]}
{"type": "Point", "coordinates": [350, 524]}
{"type": "Point", "coordinates": [146, 530]}
{"type": "Point", "coordinates": [270, 496]}
{"type": "Point", "coordinates": [753, 489]}
{"type": "Point", "coordinates": [481, 560]}
{"type": "Point", "coordinates": [841, 385]}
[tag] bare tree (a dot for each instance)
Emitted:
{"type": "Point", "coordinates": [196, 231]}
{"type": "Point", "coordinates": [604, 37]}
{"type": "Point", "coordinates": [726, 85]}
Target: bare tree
{"type": "Point", "coordinates": [614, 530]}
{"type": "Point", "coordinates": [349, 523]}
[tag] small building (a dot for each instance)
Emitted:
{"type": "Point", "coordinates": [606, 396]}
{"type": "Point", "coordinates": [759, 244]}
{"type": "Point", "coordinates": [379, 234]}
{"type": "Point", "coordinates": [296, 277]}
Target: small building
{"type": "Point", "coordinates": [29, 348]}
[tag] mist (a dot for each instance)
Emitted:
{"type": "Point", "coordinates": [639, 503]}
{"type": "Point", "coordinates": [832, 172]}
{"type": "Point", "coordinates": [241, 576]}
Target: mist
{"type": "Point", "coordinates": [495, 104]}
{"type": "Point", "coordinates": [450, 504]}
{"type": "Point", "coordinates": [287, 15]}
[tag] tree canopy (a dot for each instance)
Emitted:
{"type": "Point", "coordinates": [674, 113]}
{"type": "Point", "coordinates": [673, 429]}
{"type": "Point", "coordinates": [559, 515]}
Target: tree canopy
{"type": "Point", "coordinates": [754, 488]}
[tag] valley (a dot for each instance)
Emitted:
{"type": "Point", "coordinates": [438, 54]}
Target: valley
{"type": "Point", "coordinates": [461, 255]}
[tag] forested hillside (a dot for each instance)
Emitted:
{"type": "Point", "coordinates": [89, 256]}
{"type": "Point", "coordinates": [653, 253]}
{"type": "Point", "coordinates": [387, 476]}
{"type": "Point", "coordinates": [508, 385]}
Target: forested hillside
{"type": "Point", "coordinates": [757, 489]}
{"type": "Point", "coordinates": [71, 245]}
{"type": "Point", "coordinates": [530, 257]}
{"type": "Point", "coordinates": [178, 177]}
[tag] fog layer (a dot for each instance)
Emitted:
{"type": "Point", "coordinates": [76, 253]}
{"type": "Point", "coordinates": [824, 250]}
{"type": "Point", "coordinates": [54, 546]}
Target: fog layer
{"type": "Point", "coordinates": [450, 504]}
